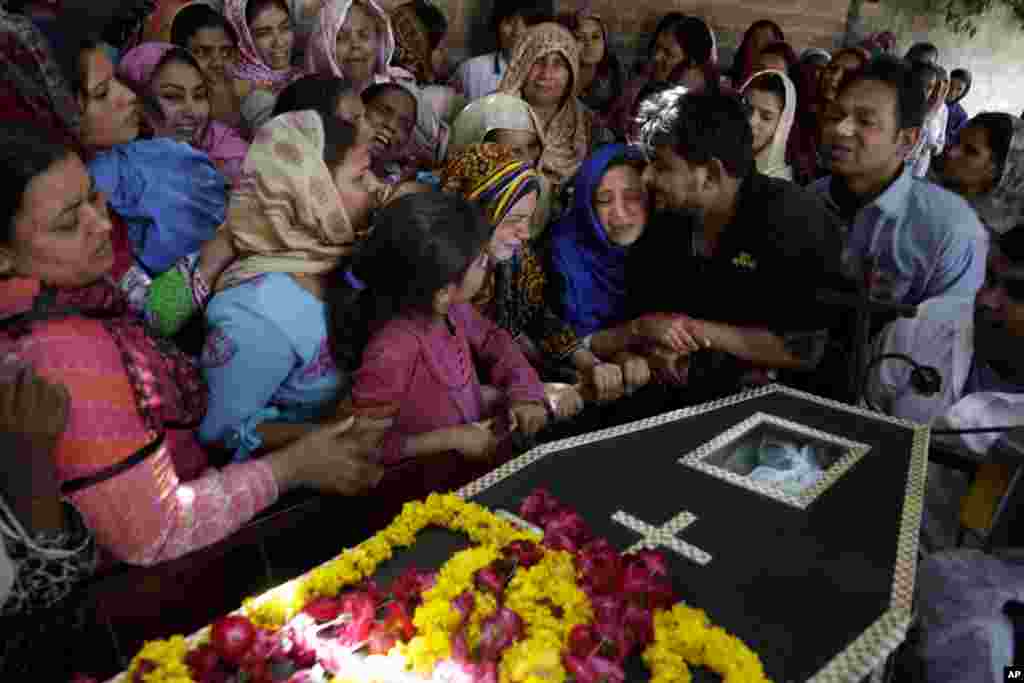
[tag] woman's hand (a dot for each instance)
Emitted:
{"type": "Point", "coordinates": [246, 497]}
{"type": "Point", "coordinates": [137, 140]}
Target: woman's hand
{"type": "Point", "coordinates": [528, 417]}
{"type": "Point", "coordinates": [563, 400]}
{"type": "Point", "coordinates": [606, 380]}
{"type": "Point", "coordinates": [215, 255]}
{"type": "Point", "coordinates": [332, 458]}
{"type": "Point", "coordinates": [33, 415]}
{"type": "Point", "coordinates": [678, 332]}
{"type": "Point", "coordinates": [476, 441]}
{"type": "Point", "coordinates": [636, 372]}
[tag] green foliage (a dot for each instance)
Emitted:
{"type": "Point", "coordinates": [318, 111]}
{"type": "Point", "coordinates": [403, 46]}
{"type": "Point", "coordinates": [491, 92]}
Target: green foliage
{"type": "Point", "coordinates": [961, 16]}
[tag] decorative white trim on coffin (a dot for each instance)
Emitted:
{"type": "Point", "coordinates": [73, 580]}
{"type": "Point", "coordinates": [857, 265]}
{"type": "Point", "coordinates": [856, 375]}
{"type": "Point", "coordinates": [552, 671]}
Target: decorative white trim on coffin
{"type": "Point", "coordinates": [869, 650]}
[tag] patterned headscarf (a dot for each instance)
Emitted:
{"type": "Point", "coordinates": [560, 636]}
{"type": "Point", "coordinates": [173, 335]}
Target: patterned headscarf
{"type": "Point", "coordinates": [567, 137]}
{"type": "Point", "coordinates": [29, 68]}
{"type": "Point", "coordinates": [490, 175]}
{"type": "Point", "coordinates": [250, 66]}
{"type": "Point", "coordinates": [771, 160]}
{"type": "Point", "coordinates": [286, 214]}
{"type": "Point", "coordinates": [321, 52]}
{"type": "Point", "coordinates": [412, 44]}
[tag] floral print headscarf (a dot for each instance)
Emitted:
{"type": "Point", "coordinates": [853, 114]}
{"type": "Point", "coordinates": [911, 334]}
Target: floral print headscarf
{"type": "Point", "coordinates": [567, 137]}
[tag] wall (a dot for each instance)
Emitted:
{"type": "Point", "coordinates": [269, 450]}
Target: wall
{"type": "Point", "coordinates": [995, 56]}
{"type": "Point", "coordinates": [806, 22]}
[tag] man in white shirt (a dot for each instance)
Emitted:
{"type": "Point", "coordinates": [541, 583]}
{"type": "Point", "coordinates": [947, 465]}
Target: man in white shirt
{"type": "Point", "coordinates": [480, 76]}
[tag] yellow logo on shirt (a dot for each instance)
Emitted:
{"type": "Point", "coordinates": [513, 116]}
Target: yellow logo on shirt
{"type": "Point", "coordinates": [745, 260]}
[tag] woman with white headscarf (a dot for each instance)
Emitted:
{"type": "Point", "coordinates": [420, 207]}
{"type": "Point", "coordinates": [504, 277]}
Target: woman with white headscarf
{"type": "Point", "coordinates": [771, 96]}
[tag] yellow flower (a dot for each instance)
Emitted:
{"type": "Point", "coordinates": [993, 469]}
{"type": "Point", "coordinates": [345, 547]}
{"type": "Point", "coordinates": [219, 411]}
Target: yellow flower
{"type": "Point", "coordinates": [168, 656]}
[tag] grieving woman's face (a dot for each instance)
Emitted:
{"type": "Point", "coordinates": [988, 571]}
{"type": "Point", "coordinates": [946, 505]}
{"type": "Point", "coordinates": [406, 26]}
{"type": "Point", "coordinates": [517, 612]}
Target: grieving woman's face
{"type": "Point", "coordinates": [274, 36]}
{"type": "Point", "coordinates": [215, 51]}
{"type": "Point", "coordinates": [968, 166]}
{"type": "Point", "coordinates": [62, 232]}
{"type": "Point", "coordinates": [392, 114]}
{"type": "Point", "coordinates": [360, 190]}
{"type": "Point", "coordinates": [525, 144]}
{"type": "Point", "coordinates": [549, 81]}
{"type": "Point", "coordinates": [357, 44]}
{"type": "Point", "coordinates": [514, 228]}
{"type": "Point", "coordinates": [350, 108]}
{"type": "Point", "coordinates": [184, 100]}
{"type": "Point", "coordinates": [765, 112]}
{"type": "Point", "coordinates": [111, 114]}
{"type": "Point", "coordinates": [620, 202]}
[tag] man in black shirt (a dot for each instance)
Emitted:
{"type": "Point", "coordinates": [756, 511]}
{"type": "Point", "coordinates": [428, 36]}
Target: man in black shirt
{"type": "Point", "coordinates": [734, 257]}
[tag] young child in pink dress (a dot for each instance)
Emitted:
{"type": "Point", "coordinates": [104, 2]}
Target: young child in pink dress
{"type": "Point", "coordinates": [400, 312]}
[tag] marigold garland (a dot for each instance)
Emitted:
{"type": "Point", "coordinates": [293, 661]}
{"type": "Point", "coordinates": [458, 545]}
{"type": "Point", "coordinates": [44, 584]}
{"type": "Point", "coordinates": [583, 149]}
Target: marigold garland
{"type": "Point", "coordinates": [682, 635]}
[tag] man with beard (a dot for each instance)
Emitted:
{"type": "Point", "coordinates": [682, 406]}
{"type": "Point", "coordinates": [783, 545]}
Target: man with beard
{"type": "Point", "coordinates": [731, 263]}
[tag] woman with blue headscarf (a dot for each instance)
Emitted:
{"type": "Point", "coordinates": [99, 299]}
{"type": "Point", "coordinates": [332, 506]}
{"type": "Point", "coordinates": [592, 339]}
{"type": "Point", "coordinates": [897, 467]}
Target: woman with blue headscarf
{"type": "Point", "coordinates": [590, 244]}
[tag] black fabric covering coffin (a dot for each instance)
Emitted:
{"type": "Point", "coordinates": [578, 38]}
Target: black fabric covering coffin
{"type": "Point", "coordinates": [798, 586]}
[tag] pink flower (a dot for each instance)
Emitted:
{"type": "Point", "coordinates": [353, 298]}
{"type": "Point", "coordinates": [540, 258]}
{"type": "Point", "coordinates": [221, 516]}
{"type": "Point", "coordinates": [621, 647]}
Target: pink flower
{"type": "Point", "coordinates": [410, 586]}
{"type": "Point", "coordinates": [593, 669]}
{"type": "Point", "coordinates": [537, 506]}
{"type": "Point", "coordinates": [570, 523]}
{"type": "Point", "coordinates": [583, 641]}
{"type": "Point", "coordinates": [323, 609]}
{"type": "Point", "coordinates": [464, 604]}
{"type": "Point", "coordinates": [525, 553]}
{"type": "Point", "coordinates": [363, 611]}
{"type": "Point", "coordinates": [600, 567]}
{"type": "Point", "coordinates": [498, 632]}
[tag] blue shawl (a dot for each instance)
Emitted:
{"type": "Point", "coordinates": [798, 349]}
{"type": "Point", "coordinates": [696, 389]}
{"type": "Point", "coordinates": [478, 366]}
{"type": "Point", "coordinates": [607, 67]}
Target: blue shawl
{"type": "Point", "coordinates": [171, 196]}
{"type": "Point", "coordinates": [590, 268]}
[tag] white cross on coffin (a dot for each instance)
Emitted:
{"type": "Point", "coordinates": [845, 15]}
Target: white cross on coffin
{"type": "Point", "coordinates": [665, 535]}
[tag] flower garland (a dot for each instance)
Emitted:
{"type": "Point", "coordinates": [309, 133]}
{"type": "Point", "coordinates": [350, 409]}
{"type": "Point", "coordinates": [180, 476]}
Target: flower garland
{"type": "Point", "coordinates": [685, 635]}
{"type": "Point", "coordinates": [546, 595]}
{"type": "Point", "coordinates": [551, 604]}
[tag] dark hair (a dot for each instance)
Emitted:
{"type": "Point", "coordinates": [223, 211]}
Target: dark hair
{"type": "Point", "coordinates": [784, 50]}
{"type": "Point", "coordinates": [419, 244]}
{"type": "Point", "coordinates": [320, 92]}
{"type": "Point", "coordinates": [962, 74]}
{"type": "Point", "coordinates": [194, 18]}
{"type": "Point", "coordinates": [911, 103]}
{"type": "Point", "coordinates": [693, 35]}
{"type": "Point", "coordinates": [68, 54]}
{"type": "Point", "coordinates": [770, 83]}
{"type": "Point", "coordinates": [663, 23]}
{"type": "Point", "coordinates": [999, 130]}
{"type": "Point", "coordinates": [26, 151]}
{"type": "Point", "coordinates": [701, 127]}
{"type": "Point", "coordinates": [610, 64]}
{"type": "Point", "coordinates": [433, 20]}
{"type": "Point", "coordinates": [924, 70]}
{"type": "Point", "coordinates": [920, 51]}
{"type": "Point", "coordinates": [377, 89]}
{"type": "Point", "coordinates": [742, 52]}
{"type": "Point", "coordinates": [339, 138]}
{"type": "Point", "coordinates": [530, 10]}
{"type": "Point", "coordinates": [254, 7]}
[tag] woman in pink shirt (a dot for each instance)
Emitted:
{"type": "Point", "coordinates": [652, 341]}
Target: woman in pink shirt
{"type": "Point", "coordinates": [128, 460]}
{"type": "Point", "coordinates": [403, 308]}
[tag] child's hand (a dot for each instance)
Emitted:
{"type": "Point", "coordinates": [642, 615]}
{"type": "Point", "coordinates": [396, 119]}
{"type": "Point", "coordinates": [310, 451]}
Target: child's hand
{"type": "Point", "coordinates": [476, 441]}
{"type": "Point", "coordinates": [529, 417]}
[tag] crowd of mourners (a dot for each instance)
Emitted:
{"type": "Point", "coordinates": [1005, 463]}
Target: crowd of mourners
{"type": "Point", "coordinates": [248, 246]}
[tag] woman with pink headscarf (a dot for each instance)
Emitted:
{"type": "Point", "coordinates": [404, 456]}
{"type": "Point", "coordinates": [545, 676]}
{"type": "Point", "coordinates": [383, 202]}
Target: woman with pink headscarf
{"type": "Point", "coordinates": [172, 77]}
{"type": "Point", "coordinates": [353, 39]}
{"type": "Point", "coordinates": [266, 42]}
